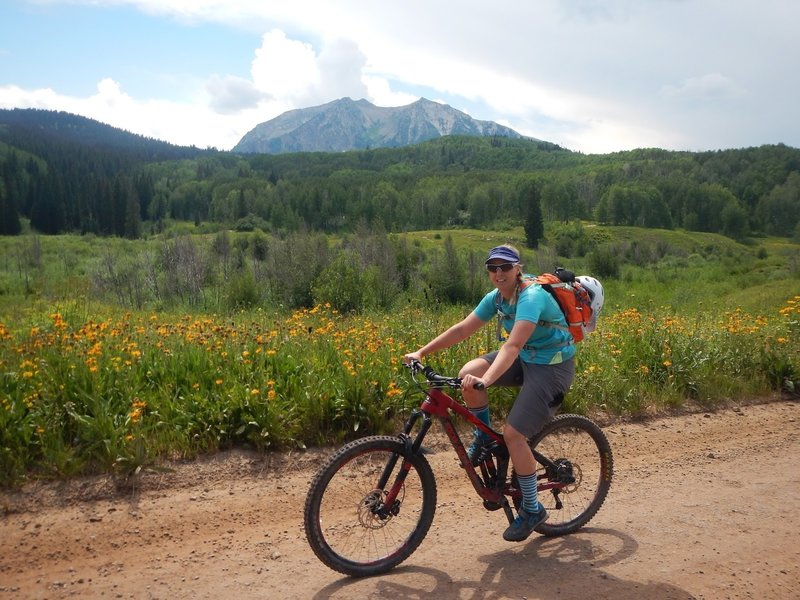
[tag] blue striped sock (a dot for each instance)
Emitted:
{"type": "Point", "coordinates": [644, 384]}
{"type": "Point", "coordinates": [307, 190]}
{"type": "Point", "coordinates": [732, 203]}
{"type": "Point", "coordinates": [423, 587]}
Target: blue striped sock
{"type": "Point", "coordinates": [528, 485]}
{"type": "Point", "coordinates": [482, 414]}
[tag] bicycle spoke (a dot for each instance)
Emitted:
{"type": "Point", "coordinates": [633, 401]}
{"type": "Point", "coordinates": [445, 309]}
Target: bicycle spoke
{"type": "Point", "coordinates": [579, 449]}
{"type": "Point", "coordinates": [582, 475]}
{"type": "Point", "coordinates": [353, 528]}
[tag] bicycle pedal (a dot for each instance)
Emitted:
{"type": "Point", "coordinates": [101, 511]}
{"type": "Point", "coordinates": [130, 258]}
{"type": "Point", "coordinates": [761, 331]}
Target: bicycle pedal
{"type": "Point", "coordinates": [484, 454]}
{"type": "Point", "coordinates": [499, 451]}
{"type": "Point", "coordinates": [489, 505]}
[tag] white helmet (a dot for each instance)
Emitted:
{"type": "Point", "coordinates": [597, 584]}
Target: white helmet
{"type": "Point", "coordinates": [596, 293]}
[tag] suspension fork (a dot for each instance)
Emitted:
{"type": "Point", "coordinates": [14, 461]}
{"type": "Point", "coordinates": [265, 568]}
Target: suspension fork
{"type": "Point", "coordinates": [412, 447]}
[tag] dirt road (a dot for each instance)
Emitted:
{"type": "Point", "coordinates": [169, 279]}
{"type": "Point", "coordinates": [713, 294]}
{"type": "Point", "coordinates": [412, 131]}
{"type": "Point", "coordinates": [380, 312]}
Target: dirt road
{"type": "Point", "coordinates": [703, 505]}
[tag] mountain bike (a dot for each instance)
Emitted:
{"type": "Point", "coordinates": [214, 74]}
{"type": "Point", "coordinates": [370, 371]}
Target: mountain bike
{"type": "Point", "coordinates": [372, 502]}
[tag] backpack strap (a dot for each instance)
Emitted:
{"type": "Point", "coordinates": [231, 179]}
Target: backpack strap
{"type": "Point", "coordinates": [553, 325]}
{"type": "Point", "coordinates": [498, 309]}
{"type": "Point", "coordinates": [527, 281]}
{"type": "Point", "coordinates": [533, 350]}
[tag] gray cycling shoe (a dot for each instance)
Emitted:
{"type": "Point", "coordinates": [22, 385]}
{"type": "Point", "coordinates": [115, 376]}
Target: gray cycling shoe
{"type": "Point", "coordinates": [524, 525]}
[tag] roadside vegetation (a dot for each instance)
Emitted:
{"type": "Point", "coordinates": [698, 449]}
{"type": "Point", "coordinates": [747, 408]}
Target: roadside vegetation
{"type": "Point", "coordinates": [115, 354]}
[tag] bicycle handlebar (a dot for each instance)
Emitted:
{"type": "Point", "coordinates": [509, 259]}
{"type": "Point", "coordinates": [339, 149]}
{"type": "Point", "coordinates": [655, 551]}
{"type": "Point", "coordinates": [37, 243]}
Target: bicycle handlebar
{"type": "Point", "coordinates": [433, 377]}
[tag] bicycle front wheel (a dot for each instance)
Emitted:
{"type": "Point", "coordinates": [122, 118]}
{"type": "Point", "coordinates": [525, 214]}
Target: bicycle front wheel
{"type": "Point", "coordinates": [348, 523]}
{"type": "Point", "coordinates": [575, 489]}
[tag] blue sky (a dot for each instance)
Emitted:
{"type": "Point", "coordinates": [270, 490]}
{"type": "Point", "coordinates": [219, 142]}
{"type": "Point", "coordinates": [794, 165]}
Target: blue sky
{"type": "Point", "coordinates": [591, 75]}
{"type": "Point", "coordinates": [70, 48]}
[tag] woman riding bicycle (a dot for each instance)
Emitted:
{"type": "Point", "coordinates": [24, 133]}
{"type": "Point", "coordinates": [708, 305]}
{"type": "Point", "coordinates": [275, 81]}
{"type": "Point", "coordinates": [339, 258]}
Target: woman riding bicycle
{"type": "Point", "coordinates": [537, 356]}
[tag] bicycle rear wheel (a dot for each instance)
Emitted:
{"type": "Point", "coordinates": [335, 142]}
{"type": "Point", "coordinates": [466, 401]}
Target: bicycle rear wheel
{"type": "Point", "coordinates": [347, 523]}
{"type": "Point", "coordinates": [582, 479]}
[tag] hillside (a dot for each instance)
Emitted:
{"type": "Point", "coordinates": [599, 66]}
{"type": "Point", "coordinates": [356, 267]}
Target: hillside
{"type": "Point", "coordinates": [63, 173]}
{"type": "Point", "coordinates": [34, 130]}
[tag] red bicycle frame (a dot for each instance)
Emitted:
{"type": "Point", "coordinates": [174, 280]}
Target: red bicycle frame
{"type": "Point", "coordinates": [490, 485]}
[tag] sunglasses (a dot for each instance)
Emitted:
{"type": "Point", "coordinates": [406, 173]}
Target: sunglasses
{"type": "Point", "coordinates": [504, 267]}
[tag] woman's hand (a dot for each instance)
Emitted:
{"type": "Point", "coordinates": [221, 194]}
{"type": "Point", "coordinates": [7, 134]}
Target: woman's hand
{"type": "Point", "coordinates": [471, 382]}
{"type": "Point", "coordinates": [411, 357]}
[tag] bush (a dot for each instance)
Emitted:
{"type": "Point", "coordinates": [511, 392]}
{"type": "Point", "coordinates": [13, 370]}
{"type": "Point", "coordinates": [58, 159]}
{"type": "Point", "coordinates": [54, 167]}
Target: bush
{"type": "Point", "coordinates": [604, 262]}
{"type": "Point", "coordinates": [343, 284]}
{"type": "Point", "coordinates": [251, 223]}
{"type": "Point", "coordinates": [243, 291]}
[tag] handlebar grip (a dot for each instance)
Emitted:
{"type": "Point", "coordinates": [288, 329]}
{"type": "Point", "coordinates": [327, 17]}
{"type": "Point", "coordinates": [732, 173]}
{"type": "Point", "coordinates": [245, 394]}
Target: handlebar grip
{"type": "Point", "coordinates": [433, 376]}
{"type": "Point", "coordinates": [430, 374]}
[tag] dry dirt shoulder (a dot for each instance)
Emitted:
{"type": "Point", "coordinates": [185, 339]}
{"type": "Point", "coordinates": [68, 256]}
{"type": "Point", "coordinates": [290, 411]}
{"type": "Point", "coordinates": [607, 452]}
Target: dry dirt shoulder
{"type": "Point", "coordinates": [703, 505]}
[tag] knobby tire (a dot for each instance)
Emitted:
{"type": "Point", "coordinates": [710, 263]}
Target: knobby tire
{"type": "Point", "coordinates": [580, 441]}
{"type": "Point", "coordinates": [342, 529]}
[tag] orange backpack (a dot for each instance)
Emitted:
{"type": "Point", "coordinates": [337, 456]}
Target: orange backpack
{"type": "Point", "coordinates": [572, 298]}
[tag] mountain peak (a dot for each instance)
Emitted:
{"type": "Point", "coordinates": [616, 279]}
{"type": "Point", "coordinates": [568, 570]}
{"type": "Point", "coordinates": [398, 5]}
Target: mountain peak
{"type": "Point", "coordinates": [347, 124]}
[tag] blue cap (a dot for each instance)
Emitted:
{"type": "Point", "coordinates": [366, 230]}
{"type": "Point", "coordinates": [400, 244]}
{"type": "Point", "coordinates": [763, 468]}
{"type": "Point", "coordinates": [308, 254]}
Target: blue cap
{"type": "Point", "coordinates": [503, 252]}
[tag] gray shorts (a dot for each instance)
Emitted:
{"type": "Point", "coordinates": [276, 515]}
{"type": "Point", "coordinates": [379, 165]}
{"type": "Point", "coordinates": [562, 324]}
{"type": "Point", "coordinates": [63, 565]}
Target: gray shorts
{"type": "Point", "coordinates": [543, 389]}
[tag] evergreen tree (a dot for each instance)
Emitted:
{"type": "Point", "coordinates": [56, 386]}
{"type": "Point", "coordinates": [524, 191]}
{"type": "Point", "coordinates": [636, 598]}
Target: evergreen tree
{"type": "Point", "coordinates": [145, 189]}
{"type": "Point", "coordinates": [34, 174]}
{"type": "Point", "coordinates": [241, 205]}
{"type": "Point", "coordinates": [534, 222]}
{"type": "Point", "coordinates": [133, 217]}
{"type": "Point", "coordinates": [9, 219]}
{"type": "Point", "coordinates": [119, 204]}
{"type": "Point", "coordinates": [47, 212]}
{"type": "Point", "coordinates": [103, 207]}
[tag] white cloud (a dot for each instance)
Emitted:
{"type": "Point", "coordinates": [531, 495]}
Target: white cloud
{"type": "Point", "coordinates": [295, 73]}
{"type": "Point", "coordinates": [12, 96]}
{"type": "Point", "coordinates": [713, 85]}
{"type": "Point", "coordinates": [380, 93]}
{"type": "Point", "coordinates": [341, 65]}
{"type": "Point", "coordinates": [231, 95]}
{"type": "Point", "coordinates": [284, 68]}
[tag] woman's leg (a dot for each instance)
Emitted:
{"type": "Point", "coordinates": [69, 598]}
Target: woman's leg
{"type": "Point", "coordinates": [536, 404]}
{"type": "Point", "coordinates": [521, 454]}
{"type": "Point", "coordinates": [478, 403]}
{"type": "Point", "coordinates": [475, 398]}
{"type": "Point", "coordinates": [531, 513]}
{"type": "Point", "coordinates": [478, 400]}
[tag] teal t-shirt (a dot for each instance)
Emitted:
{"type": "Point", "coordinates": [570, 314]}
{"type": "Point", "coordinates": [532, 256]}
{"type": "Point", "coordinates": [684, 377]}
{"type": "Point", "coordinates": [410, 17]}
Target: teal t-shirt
{"type": "Point", "coordinates": [547, 345]}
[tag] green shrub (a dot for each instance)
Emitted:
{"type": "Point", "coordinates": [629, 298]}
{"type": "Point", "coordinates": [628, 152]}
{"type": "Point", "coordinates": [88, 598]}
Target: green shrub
{"type": "Point", "coordinates": [604, 261]}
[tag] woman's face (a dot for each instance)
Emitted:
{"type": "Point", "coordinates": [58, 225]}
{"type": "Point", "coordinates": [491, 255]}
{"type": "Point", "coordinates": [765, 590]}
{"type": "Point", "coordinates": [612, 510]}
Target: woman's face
{"type": "Point", "coordinates": [503, 275]}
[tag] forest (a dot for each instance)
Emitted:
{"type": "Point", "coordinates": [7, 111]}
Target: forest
{"type": "Point", "coordinates": [61, 173]}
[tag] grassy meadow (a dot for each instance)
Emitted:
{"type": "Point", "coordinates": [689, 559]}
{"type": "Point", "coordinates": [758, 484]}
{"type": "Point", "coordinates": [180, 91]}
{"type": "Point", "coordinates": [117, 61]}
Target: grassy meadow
{"type": "Point", "coordinates": [88, 386]}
